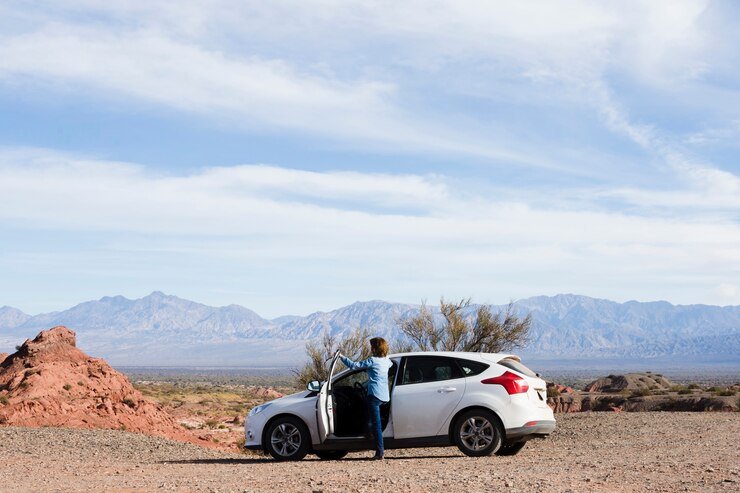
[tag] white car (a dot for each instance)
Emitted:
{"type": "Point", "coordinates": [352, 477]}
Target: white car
{"type": "Point", "coordinates": [484, 403]}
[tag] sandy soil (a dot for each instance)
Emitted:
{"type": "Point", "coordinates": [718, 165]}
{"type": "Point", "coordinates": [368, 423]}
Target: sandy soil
{"type": "Point", "coordinates": [590, 452]}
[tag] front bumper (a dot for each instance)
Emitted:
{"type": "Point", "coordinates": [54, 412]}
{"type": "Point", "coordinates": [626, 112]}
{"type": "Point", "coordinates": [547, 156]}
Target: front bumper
{"type": "Point", "coordinates": [535, 429]}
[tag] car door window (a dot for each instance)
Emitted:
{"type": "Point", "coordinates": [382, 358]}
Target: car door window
{"type": "Point", "coordinates": [358, 377]}
{"type": "Point", "coordinates": [422, 369]}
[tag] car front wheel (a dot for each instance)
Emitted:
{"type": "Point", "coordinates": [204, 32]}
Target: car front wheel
{"type": "Point", "coordinates": [287, 439]}
{"type": "Point", "coordinates": [477, 433]}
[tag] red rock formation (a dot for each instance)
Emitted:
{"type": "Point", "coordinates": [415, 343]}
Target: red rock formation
{"type": "Point", "coordinates": [560, 389]}
{"type": "Point", "coordinates": [50, 382]}
{"type": "Point", "coordinates": [563, 399]}
{"type": "Point", "coordinates": [3, 356]}
{"type": "Point", "coordinates": [267, 393]}
{"type": "Point", "coordinates": [629, 382]}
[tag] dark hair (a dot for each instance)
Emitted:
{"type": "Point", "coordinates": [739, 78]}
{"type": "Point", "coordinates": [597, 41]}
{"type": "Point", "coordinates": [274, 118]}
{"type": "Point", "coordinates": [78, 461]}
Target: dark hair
{"type": "Point", "coordinates": [379, 347]}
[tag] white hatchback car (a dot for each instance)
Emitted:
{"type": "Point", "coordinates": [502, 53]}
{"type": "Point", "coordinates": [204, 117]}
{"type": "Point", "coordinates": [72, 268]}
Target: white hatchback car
{"type": "Point", "coordinates": [482, 402]}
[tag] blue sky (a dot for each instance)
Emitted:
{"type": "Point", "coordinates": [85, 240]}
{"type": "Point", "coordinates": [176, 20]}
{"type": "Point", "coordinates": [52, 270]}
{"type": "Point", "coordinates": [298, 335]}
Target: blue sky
{"type": "Point", "coordinates": [299, 156]}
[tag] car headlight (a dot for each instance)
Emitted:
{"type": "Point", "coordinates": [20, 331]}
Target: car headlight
{"type": "Point", "coordinates": [259, 409]}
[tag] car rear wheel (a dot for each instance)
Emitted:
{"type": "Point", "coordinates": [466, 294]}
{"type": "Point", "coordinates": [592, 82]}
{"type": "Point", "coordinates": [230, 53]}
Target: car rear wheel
{"type": "Point", "coordinates": [331, 454]}
{"type": "Point", "coordinates": [511, 448]}
{"type": "Point", "coordinates": [477, 433]}
{"type": "Point", "coordinates": [287, 439]}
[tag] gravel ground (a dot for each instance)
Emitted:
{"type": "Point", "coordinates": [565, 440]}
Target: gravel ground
{"type": "Point", "coordinates": [590, 452]}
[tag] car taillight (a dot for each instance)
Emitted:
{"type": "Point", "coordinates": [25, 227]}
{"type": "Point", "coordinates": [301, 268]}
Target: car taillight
{"type": "Point", "coordinates": [514, 384]}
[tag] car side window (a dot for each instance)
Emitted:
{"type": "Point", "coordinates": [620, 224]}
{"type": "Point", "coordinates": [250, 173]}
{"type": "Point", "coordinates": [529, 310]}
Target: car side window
{"type": "Point", "coordinates": [351, 379]}
{"type": "Point", "coordinates": [471, 368]}
{"type": "Point", "coordinates": [421, 369]}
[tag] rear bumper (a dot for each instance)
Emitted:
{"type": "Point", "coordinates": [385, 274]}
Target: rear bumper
{"type": "Point", "coordinates": [537, 429]}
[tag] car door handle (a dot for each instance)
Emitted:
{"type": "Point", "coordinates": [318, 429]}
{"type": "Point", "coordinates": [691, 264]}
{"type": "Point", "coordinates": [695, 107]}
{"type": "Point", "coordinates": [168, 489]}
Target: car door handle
{"type": "Point", "coordinates": [446, 390]}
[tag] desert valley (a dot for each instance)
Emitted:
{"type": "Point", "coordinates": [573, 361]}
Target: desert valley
{"type": "Point", "coordinates": [70, 422]}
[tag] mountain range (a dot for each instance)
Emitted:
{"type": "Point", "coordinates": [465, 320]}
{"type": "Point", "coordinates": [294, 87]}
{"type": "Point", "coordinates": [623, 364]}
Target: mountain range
{"type": "Point", "coordinates": [164, 330]}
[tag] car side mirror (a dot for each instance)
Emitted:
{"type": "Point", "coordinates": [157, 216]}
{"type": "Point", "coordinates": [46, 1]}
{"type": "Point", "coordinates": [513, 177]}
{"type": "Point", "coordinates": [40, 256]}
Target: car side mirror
{"type": "Point", "coordinates": [313, 386]}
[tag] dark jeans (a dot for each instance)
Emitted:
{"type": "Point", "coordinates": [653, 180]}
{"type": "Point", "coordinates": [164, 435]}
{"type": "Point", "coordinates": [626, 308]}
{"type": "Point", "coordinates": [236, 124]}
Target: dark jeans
{"type": "Point", "coordinates": [374, 425]}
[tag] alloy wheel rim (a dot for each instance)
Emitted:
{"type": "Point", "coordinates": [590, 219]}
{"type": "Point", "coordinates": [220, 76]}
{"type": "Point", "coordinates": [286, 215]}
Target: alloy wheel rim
{"type": "Point", "coordinates": [285, 439]}
{"type": "Point", "coordinates": [477, 433]}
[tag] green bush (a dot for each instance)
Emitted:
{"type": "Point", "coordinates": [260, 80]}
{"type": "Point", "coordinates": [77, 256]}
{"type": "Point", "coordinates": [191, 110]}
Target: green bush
{"type": "Point", "coordinates": [4, 400]}
{"type": "Point", "coordinates": [67, 386]}
{"type": "Point", "coordinates": [685, 391]}
{"type": "Point", "coordinates": [129, 402]}
{"type": "Point", "coordinates": [640, 392]}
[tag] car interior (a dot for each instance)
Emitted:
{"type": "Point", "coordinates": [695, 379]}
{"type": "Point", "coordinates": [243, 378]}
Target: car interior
{"type": "Point", "coordinates": [350, 403]}
{"type": "Point", "coordinates": [350, 391]}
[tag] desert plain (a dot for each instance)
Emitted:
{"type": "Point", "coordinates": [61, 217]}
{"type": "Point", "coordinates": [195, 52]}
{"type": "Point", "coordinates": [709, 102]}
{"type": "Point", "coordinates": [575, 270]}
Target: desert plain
{"type": "Point", "coordinates": [71, 423]}
{"type": "Point", "coordinates": [589, 452]}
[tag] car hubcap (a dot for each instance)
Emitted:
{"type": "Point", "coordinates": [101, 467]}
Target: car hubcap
{"type": "Point", "coordinates": [477, 433]}
{"type": "Point", "coordinates": [285, 439]}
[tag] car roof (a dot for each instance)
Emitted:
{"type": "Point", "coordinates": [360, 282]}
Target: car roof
{"type": "Point", "coordinates": [459, 354]}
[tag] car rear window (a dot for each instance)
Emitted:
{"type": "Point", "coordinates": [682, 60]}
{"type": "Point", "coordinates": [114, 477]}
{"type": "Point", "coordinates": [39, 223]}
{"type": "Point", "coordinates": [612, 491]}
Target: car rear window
{"type": "Point", "coordinates": [470, 368]}
{"type": "Point", "coordinates": [517, 366]}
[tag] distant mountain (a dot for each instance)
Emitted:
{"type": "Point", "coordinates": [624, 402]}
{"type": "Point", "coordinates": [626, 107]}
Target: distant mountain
{"type": "Point", "coordinates": [379, 317]}
{"type": "Point", "coordinates": [568, 325]}
{"type": "Point", "coordinates": [12, 317]}
{"type": "Point", "coordinates": [166, 330]}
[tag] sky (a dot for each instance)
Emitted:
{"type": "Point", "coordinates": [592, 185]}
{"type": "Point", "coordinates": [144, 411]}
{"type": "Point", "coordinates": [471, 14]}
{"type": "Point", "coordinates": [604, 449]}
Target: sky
{"type": "Point", "coordinates": [298, 156]}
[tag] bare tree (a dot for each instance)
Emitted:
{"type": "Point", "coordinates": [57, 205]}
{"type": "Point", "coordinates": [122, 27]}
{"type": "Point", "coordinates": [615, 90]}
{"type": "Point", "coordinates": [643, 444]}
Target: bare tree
{"type": "Point", "coordinates": [354, 346]}
{"type": "Point", "coordinates": [488, 332]}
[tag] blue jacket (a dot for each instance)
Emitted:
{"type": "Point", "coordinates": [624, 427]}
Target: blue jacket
{"type": "Point", "coordinates": [377, 373]}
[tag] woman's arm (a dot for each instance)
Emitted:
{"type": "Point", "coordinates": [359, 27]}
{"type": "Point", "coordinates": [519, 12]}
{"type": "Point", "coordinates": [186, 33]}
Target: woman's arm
{"type": "Point", "coordinates": [353, 365]}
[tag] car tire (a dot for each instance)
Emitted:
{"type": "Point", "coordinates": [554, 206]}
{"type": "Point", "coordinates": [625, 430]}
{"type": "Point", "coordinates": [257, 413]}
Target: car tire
{"type": "Point", "coordinates": [477, 433]}
{"type": "Point", "coordinates": [287, 439]}
{"type": "Point", "coordinates": [331, 454]}
{"type": "Point", "coordinates": [511, 448]}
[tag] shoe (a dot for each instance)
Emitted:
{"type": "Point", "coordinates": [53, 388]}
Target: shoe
{"type": "Point", "coordinates": [378, 457]}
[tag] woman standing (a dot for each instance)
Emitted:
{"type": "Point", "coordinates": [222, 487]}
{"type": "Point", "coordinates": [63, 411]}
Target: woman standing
{"type": "Point", "coordinates": [377, 389]}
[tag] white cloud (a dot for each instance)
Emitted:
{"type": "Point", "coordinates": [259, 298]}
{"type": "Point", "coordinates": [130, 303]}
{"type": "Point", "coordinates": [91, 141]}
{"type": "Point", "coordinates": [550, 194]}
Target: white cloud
{"type": "Point", "coordinates": [257, 217]}
{"type": "Point", "coordinates": [243, 90]}
{"type": "Point", "coordinates": [297, 66]}
{"type": "Point", "coordinates": [729, 293]}
{"type": "Point", "coordinates": [471, 82]}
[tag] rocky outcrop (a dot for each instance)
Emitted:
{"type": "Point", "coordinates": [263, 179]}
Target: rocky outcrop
{"type": "Point", "coordinates": [50, 382]}
{"type": "Point", "coordinates": [565, 403]}
{"type": "Point", "coordinates": [629, 382]}
{"type": "Point", "coordinates": [3, 356]}
{"type": "Point", "coordinates": [563, 399]}
{"type": "Point", "coordinates": [267, 393]}
{"type": "Point", "coordinates": [639, 392]}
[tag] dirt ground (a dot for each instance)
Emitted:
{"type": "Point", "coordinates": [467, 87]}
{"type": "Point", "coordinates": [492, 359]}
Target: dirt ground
{"type": "Point", "coordinates": [590, 452]}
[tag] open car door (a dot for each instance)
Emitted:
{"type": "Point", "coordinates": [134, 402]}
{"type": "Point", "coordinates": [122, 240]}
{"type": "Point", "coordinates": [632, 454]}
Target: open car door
{"type": "Point", "coordinates": [325, 403]}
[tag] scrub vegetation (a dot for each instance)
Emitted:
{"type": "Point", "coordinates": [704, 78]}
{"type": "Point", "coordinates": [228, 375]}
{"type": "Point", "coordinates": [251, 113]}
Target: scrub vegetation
{"type": "Point", "coordinates": [456, 330]}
